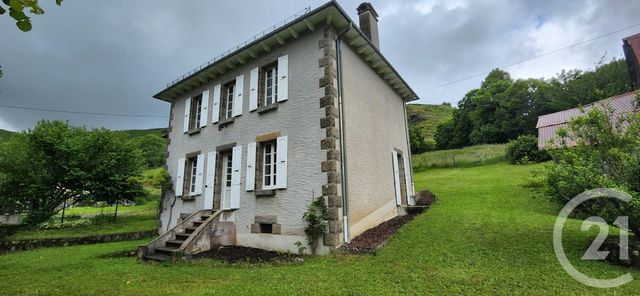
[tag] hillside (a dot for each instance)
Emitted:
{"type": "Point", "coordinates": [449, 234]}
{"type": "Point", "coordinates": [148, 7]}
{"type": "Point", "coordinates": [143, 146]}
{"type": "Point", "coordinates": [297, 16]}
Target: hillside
{"type": "Point", "coordinates": [139, 133]}
{"type": "Point", "coordinates": [4, 135]}
{"type": "Point", "coordinates": [427, 117]}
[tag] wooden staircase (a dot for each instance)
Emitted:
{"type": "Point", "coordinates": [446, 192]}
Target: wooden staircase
{"type": "Point", "coordinates": [192, 235]}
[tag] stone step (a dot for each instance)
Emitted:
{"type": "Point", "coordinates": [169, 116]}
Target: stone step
{"type": "Point", "coordinates": [190, 229]}
{"type": "Point", "coordinates": [174, 243]}
{"type": "Point", "coordinates": [182, 236]}
{"type": "Point", "coordinates": [165, 251]}
{"type": "Point", "coordinates": [197, 223]}
{"type": "Point", "coordinates": [204, 217]}
{"type": "Point", "coordinates": [158, 257]}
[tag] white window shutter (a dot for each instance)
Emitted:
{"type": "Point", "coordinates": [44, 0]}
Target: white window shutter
{"type": "Point", "coordinates": [179, 184]}
{"type": "Point", "coordinates": [239, 96]}
{"type": "Point", "coordinates": [251, 167]}
{"type": "Point", "coordinates": [204, 109]}
{"type": "Point", "coordinates": [215, 110]}
{"type": "Point", "coordinates": [199, 172]}
{"type": "Point", "coordinates": [209, 181]}
{"type": "Point", "coordinates": [407, 180]}
{"type": "Point", "coordinates": [396, 177]}
{"type": "Point", "coordinates": [253, 90]}
{"type": "Point", "coordinates": [187, 109]}
{"type": "Point", "coordinates": [281, 165]}
{"type": "Point", "coordinates": [283, 78]}
{"type": "Point", "coordinates": [236, 162]}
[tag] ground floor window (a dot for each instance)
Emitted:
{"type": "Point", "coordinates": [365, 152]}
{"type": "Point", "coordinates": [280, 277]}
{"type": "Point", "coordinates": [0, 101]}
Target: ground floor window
{"type": "Point", "coordinates": [269, 165]}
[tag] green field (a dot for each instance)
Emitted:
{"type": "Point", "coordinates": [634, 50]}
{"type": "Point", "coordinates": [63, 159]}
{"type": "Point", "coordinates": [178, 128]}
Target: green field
{"type": "Point", "coordinates": [139, 133]}
{"type": "Point", "coordinates": [428, 117]}
{"type": "Point", "coordinates": [4, 135]}
{"type": "Point", "coordinates": [485, 235]}
{"type": "Point", "coordinates": [464, 157]}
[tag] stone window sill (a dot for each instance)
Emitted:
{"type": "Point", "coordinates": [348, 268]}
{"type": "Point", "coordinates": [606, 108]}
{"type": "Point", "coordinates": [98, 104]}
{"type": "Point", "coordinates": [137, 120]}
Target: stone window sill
{"type": "Point", "coordinates": [268, 108]}
{"type": "Point", "coordinates": [225, 122]}
{"type": "Point", "coordinates": [188, 198]}
{"type": "Point", "coordinates": [265, 193]}
{"type": "Point", "coordinates": [193, 131]}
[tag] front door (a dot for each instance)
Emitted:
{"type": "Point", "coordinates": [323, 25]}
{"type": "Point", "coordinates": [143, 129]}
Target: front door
{"type": "Point", "coordinates": [226, 180]}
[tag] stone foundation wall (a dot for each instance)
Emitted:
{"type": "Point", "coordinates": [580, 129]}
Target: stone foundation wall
{"type": "Point", "coordinates": [20, 245]}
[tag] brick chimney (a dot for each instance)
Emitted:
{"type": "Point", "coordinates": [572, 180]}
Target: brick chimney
{"type": "Point", "coordinates": [369, 22]}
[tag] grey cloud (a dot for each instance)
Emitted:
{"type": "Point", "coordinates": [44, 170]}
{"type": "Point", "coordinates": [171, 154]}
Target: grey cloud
{"type": "Point", "coordinates": [112, 56]}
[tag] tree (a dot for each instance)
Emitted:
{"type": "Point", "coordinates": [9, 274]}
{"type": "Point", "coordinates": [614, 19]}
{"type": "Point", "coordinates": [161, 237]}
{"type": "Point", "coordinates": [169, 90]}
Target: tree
{"type": "Point", "coordinates": [152, 148]}
{"type": "Point", "coordinates": [503, 109]}
{"type": "Point", "coordinates": [418, 144]}
{"type": "Point", "coordinates": [17, 11]}
{"type": "Point", "coordinates": [53, 163]}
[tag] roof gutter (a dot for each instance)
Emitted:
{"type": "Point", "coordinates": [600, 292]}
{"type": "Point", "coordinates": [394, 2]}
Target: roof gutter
{"type": "Point", "coordinates": [343, 156]}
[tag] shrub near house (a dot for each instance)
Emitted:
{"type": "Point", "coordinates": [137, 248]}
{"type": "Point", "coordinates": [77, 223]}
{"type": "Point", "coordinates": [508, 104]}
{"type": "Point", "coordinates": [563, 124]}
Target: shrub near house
{"type": "Point", "coordinates": [606, 156]}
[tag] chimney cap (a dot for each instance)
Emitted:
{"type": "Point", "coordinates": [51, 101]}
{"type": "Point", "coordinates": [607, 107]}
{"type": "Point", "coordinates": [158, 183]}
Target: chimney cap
{"type": "Point", "coordinates": [366, 6]}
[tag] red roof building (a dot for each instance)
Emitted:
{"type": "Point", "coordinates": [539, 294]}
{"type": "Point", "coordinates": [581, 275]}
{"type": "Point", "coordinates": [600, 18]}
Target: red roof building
{"type": "Point", "coordinates": [549, 124]}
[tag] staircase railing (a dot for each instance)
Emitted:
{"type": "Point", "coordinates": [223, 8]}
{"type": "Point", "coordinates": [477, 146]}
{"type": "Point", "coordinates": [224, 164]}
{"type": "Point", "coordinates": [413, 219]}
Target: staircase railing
{"type": "Point", "coordinates": [200, 239]}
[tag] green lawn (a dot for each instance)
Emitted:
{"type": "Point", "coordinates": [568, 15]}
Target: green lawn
{"type": "Point", "coordinates": [149, 208]}
{"type": "Point", "coordinates": [464, 157]}
{"type": "Point", "coordinates": [485, 235]}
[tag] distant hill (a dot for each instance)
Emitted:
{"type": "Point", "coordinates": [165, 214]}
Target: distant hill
{"type": "Point", "coordinates": [139, 133]}
{"type": "Point", "coordinates": [428, 117]}
{"type": "Point", "coordinates": [4, 135]}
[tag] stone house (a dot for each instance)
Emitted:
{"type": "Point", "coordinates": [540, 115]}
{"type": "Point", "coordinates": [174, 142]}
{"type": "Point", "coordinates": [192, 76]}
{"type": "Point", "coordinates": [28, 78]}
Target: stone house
{"type": "Point", "coordinates": [310, 109]}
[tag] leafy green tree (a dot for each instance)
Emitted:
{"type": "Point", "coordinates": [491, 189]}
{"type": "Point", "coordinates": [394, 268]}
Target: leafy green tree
{"type": "Point", "coordinates": [418, 144]}
{"type": "Point", "coordinates": [503, 109]}
{"type": "Point", "coordinates": [53, 163]}
{"type": "Point", "coordinates": [153, 149]}
{"type": "Point", "coordinates": [18, 11]}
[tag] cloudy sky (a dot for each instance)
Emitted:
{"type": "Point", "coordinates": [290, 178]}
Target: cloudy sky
{"type": "Point", "coordinates": [112, 56]}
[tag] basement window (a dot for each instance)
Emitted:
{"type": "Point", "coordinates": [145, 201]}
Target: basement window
{"type": "Point", "coordinates": [266, 228]}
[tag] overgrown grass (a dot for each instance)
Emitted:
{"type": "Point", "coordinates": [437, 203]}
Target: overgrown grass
{"type": "Point", "coordinates": [485, 236]}
{"type": "Point", "coordinates": [427, 117]}
{"type": "Point", "coordinates": [465, 157]}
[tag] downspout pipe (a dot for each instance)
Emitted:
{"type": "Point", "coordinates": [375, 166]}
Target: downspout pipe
{"type": "Point", "coordinates": [343, 157]}
{"type": "Point", "coordinates": [406, 128]}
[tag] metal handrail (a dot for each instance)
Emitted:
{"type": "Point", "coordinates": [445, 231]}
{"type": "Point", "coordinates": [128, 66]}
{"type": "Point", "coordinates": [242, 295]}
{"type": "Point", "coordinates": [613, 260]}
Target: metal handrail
{"type": "Point", "coordinates": [264, 32]}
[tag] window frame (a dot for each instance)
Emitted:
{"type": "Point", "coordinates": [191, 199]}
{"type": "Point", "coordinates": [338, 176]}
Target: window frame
{"type": "Point", "coordinates": [195, 114]}
{"type": "Point", "coordinates": [273, 96]}
{"type": "Point", "coordinates": [227, 102]}
{"type": "Point", "coordinates": [272, 174]}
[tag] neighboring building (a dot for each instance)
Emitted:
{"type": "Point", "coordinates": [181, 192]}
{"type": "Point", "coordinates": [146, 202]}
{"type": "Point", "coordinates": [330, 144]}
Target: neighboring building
{"type": "Point", "coordinates": [549, 124]}
{"type": "Point", "coordinates": [631, 47]}
{"type": "Point", "coordinates": [310, 109]}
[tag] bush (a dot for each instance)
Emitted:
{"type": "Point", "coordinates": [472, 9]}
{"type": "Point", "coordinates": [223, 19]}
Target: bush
{"type": "Point", "coordinates": [55, 223]}
{"type": "Point", "coordinates": [605, 156]}
{"type": "Point", "coordinates": [524, 150]}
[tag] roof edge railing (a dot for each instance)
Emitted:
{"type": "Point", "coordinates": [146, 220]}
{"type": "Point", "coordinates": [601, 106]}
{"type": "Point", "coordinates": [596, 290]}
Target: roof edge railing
{"type": "Point", "coordinates": [264, 32]}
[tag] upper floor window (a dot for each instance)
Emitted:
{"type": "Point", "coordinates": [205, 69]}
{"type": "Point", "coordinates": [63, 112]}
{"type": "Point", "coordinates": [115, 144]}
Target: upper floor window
{"type": "Point", "coordinates": [195, 114]}
{"type": "Point", "coordinates": [270, 84]}
{"type": "Point", "coordinates": [228, 96]}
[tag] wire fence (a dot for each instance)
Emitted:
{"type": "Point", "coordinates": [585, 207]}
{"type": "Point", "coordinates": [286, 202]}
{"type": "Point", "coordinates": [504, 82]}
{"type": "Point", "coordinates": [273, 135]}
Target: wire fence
{"type": "Point", "coordinates": [263, 33]}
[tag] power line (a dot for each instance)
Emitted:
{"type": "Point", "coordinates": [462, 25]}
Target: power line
{"type": "Point", "coordinates": [83, 112]}
{"type": "Point", "coordinates": [535, 57]}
